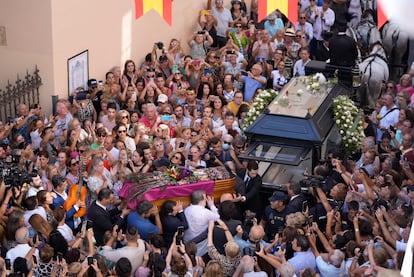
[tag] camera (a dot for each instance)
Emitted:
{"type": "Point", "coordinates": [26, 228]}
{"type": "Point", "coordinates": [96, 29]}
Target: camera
{"type": "Point", "coordinates": [201, 32]}
{"type": "Point", "coordinates": [312, 181]}
{"type": "Point", "coordinates": [249, 218]}
{"type": "Point", "coordinates": [12, 176]}
{"type": "Point", "coordinates": [160, 45]}
{"type": "Point", "coordinates": [211, 154]}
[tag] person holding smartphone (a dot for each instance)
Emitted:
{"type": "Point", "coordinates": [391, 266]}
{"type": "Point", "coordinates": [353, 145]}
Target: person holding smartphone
{"type": "Point", "coordinates": [253, 81]}
{"type": "Point", "coordinates": [198, 43]}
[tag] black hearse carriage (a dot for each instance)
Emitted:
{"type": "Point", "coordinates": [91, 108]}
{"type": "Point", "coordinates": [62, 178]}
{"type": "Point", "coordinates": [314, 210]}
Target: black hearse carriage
{"type": "Point", "coordinates": [294, 132]}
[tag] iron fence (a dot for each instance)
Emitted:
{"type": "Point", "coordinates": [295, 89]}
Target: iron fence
{"type": "Point", "coordinates": [24, 90]}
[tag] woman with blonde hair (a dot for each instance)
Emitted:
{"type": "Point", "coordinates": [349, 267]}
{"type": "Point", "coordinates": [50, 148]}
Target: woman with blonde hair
{"type": "Point", "coordinates": [123, 117]}
{"type": "Point", "coordinates": [213, 269]}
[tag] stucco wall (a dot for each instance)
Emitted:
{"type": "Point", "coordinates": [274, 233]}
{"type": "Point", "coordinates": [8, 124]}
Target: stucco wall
{"type": "Point", "coordinates": [47, 33]}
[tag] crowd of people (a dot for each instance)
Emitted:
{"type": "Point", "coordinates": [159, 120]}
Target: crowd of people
{"type": "Point", "coordinates": [63, 212]}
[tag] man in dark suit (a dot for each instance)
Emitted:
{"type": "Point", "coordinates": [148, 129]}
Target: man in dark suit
{"type": "Point", "coordinates": [103, 220]}
{"type": "Point", "coordinates": [296, 199]}
{"type": "Point", "coordinates": [250, 191]}
{"type": "Point", "coordinates": [342, 49]}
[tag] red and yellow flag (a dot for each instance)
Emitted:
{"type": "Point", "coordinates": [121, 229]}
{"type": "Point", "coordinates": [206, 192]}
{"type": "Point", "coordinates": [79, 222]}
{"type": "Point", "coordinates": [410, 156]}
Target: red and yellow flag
{"type": "Point", "coordinates": [163, 7]}
{"type": "Point", "coordinates": [287, 7]}
{"type": "Point", "coordinates": [381, 16]}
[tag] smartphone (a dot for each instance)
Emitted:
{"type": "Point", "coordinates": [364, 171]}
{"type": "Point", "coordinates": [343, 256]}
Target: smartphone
{"type": "Point", "coordinates": [35, 238]}
{"type": "Point", "coordinates": [244, 73]}
{"type": "Point", "coordinates": [201, 32]}
{"type": "Point", "coordinates": [228, 52]}
{"type": "Point", "coordinates": [257, 247]}
{"type": "Point", "coordinates": [8, 264]}
{"type": "Point", "coordinates": [260, 60]}
{"type": "Point", "coordinates": [60, 257]}
{"type": "Point", "coordinates": [90, 260]}
{"type": "Point", "coordinates": [175, 68]}
{"type": "Point", "coordinates": [83, 229]}
{"type": "Point", "coordinates": [166, 117]}
{"type": "Point", "coordinates": [180, 235]}
{"type": "Point", "coordinates": [181, 145]}
{"type": "Point", "coordinates": [207, 71]}
{"type": "Point", "coordinates": [205, 12]}
{"type": "Point", "coordinates": [304, 206]}
{"type": "Point", "coordinates": [34, 259]}
{"type": "Point", "coordinates": [100, 83]}
{"type": "Point", "coordinates": [150, 140]}
{"type": "Point", "coordinates": [190, 157]}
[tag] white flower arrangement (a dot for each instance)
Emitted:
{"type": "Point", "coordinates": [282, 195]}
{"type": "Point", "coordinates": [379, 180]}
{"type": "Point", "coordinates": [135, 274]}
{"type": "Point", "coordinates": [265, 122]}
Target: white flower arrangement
{"type": "Point", "coordinates": [348, 120]}
{"type": "Point", "coordinates": [261, 101]}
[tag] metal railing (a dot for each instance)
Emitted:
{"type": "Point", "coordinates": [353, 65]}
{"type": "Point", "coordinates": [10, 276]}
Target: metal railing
{"type": "Point", "coordinates": [24, 90]}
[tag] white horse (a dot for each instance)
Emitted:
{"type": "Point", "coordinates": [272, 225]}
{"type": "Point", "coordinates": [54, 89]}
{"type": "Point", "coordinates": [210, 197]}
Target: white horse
{"type": "Point", "coordinates": [367, 32]}
{"type": "Point", "coordinates": [395, 43]}
{"type": "Point", "coordinates": [374, 70]}
{"type": "Point", "coordinates": [368, 5]}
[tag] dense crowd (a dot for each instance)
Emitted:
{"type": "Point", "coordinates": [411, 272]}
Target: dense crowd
{"type": "Point", "coordinates": [63, 212]}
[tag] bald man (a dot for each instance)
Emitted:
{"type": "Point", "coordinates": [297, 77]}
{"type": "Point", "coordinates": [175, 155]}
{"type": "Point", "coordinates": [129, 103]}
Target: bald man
{"type": "Point", "coordinates": [22, 247]}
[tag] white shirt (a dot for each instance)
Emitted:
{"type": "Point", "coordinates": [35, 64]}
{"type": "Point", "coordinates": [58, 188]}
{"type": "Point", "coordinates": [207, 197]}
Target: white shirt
{"type": "Point", "coordinates": [66, 232]}
{"type": "Point", "coordinates": [28, 213]}
{"type": "Point", "coordinates": [198, 218]}
{"type": "Point", "coordinates": [223, 19]}
{"type": "Point", "coordinates": [20, 250]}
{"type": "Point", "coordinates": [134, 254]}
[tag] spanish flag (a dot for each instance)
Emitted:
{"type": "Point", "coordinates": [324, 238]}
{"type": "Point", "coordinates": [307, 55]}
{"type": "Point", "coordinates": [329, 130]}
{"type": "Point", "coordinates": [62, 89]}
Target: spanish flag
{"type": "Point", "coordinates": [381, 17]}
{"type": "Point", "coordinates": [163, 7]}
{"type": "Point", "coordinates": [287, 7]}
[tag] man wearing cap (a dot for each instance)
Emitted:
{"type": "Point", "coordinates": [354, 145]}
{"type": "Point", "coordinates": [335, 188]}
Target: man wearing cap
{"type": "Point", "coordinates": [224, 19]}
{"type": "Point", "coordinates": [162, 101]}
{"type": "Point", "coordinates": [343, 50]}
{"type": "Point", "coordinates": [272, 24]}
{"type": "Point", "coordinates": [292, 46]}
{"type": "Point", "coordinates": [95, 95]}
{"type": "Point", "coordinates": [274, 216]}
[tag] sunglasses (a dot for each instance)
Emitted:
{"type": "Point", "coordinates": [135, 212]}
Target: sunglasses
{"type": "Point", "coordinates": [227, 142]}
{"type": "Point", "coordinates": [175, 157]}
{"type": "Point", "coordinates": [302, 17]}
{"type": "Point", "coordinates": [239, 26]}
{"type": "Point", "coordinates": [101, 135]}
{"type": "Point", "coordinates": [81, 150]}
{"type": "Point", "coordinates": [75, 163]}
{"type": "Point", "coordinates": [390, 86]}
{"type": "Point", "coordinates": [121, 131]}
{"type": "Point", "coordinates": [240, 147]}
{"type": "Point", "coordinates": [124, 116]}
